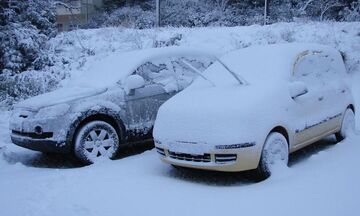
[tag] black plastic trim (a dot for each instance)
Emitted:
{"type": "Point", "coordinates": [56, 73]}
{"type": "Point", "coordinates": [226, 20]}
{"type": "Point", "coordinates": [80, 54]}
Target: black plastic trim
{"type": "Point", "coordinates": [45, 135]}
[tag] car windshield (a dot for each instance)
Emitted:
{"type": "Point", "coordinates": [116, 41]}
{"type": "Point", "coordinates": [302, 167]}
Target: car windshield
{"type": "Point", "coordinates": [219, 74]}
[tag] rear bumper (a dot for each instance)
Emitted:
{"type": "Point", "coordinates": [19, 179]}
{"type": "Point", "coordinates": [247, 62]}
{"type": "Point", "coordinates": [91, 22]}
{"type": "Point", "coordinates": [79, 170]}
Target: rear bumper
{"type": "Point", "coordinates": [43, 145]}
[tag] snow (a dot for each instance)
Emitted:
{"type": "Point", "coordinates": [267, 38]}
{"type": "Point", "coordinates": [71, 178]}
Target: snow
{"type": "Point", "coordinates": [229, 113]}
{"type": "Point", "coordinates": [274, 60]}
{"type": "Point", "coordinates": [74, 53]}
{"type": "Point", "coordinates": [322, 179]}
{"type": "Point", "coordinates": [133, 82]}
{"type": "Point", "coordinates": [297, 88]}
{"type": "Point", "coordinates": [59, 96]}
{"type": "Point", "coordinates": [109, 43]}
{"type": "Point", "coordinates": [117, 66]}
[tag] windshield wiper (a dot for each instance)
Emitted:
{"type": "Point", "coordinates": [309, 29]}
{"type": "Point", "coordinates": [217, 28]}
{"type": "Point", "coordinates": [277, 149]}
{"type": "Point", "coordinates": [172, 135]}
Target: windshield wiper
{"type": "Point", "coordinates": [235, 75]}
{"type": "Point", "coordinates": [197, 71]}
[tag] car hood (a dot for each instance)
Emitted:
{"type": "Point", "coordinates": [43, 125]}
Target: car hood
{"type": "Point", "coordinates": [215, 115]}
{"type": "Point", "coordinates": [59, 96]}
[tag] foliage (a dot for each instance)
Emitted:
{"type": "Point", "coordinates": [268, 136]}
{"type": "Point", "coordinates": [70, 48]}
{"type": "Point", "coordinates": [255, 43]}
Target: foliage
{"type": "Point", "coordinates": [196, 13]}
{"type": "Point", "coordinates": [24, 29]}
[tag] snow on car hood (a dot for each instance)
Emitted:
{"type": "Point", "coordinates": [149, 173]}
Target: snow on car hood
{"type": "Point", "coordinates": [62, 95]}
{"type": "Point", "coordinates": [215, 115]}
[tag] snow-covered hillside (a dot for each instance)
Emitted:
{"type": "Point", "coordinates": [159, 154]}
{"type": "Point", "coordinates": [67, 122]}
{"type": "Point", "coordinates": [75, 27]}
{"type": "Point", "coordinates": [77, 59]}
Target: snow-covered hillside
{"type": "Point", "coordinates": [322, 179]}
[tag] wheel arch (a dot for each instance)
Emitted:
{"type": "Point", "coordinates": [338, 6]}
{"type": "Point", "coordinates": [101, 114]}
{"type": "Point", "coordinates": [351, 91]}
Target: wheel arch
{"type": "Point", "coordinates": [282, 131]}
{"type": "Point", "coordinates": [103, 114]}
{"type": "Point", "coordinates": [352, 107]}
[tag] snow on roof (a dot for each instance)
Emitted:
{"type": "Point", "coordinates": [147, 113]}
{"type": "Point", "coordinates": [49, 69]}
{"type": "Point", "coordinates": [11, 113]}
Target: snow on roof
{"type": "Point", "coordinates": [261, 63]}
{"type": "Point", "coordinates": [118, 66]}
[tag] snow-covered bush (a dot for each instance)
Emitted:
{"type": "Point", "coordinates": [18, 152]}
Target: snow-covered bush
{"type": "Point", "coordinates": [24, 29]}
{"type": "Point", "coordinates": [352, 13]}
{"type": "Point", "coordinates": [323, 9]}
{"type": "Point", "coordinates": [27, 84]}
{"type": "Point", "coordinates": [193, 13]}
{"type": "Point", "coordinates": [172, 41]}
{"type": "Point", "coordinates": [131, 17]}
{"type": "Point", "coordinates": [199, 13]}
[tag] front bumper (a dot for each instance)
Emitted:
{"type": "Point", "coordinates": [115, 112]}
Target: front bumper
{"type": "Point", "coordinates": [39, 144]}
{"type": "Point", "coordinates": [39, 134]}
{"type": "Point", "coordinates": [226, 158]}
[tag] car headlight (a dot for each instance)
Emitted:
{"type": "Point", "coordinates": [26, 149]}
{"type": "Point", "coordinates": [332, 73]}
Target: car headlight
{"type": "Point", "coordinates": [53, 111]}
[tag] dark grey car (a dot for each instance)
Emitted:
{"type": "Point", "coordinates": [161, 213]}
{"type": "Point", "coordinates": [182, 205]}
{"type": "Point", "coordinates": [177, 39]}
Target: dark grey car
{"type": "Point", "coordinates": [113, 102]}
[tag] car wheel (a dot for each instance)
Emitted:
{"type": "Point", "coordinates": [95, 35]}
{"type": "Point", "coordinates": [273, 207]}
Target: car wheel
{"type": "Point", "coordinates": [275, 151]}
{"type": "Point", "coordinates": [347, 125]}
{"type": "Point", "coordinates": [95, 141]}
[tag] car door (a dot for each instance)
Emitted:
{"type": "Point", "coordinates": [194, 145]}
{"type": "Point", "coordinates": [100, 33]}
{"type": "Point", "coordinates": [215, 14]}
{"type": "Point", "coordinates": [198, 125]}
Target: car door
{"type": "Point", "coordinates": [331, 75]}
{"type": "Point", "coordinates": [142, 103]}
{"type": "Point", "coordinates": [313, 111]}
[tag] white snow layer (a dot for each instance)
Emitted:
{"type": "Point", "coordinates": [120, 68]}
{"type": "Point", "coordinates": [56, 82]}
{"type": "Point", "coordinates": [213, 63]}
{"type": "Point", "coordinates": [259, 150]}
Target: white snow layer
{"type": "Point", "coordinates": [117, 66]}
{"type": "Point", "coordinates": [321, 180]}
{"type": "Point", "coordinates": [231, 113]}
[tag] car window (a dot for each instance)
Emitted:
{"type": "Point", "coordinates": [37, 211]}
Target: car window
{"type": "Point", "coordinates": [316, 68]}
{"type": "Point", "coordinates": [171, 73]}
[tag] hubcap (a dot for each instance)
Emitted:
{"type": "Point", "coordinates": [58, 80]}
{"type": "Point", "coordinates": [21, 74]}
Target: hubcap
{"type": "Point", "coordinates": [99, 143]}
{"type": "Point", "coordinates": [276, 152]}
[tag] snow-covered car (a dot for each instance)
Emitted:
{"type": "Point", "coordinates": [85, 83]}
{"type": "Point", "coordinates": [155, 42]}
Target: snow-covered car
{"type": "Point", "coordinates": [112, 102]}
{"type": "Point", "coordinates": [254, 106]}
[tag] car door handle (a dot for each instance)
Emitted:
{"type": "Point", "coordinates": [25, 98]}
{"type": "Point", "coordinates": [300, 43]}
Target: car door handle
{"type": "Point", "coordinates": [321, 98]}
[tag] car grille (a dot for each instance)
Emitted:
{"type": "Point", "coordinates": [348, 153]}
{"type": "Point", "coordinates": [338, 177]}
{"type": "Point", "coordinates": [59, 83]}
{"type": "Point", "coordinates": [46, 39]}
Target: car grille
{"type": "Point", "coordinates": [206, 158]}
{"type": "Point", "coordinates": [190, 157]}
{"type": "Point", "coordinates": [225, 158]}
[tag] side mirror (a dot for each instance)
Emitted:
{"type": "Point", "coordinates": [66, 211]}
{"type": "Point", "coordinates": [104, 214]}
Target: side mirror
{"type": "Point", "coordinates": [133, 82]}
{"type": "Point", "coordinates": [297, 89]}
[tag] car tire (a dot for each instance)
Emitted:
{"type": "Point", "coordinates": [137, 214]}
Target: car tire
{"type": "Point", "coordinates": [275, 150]}
{"type": "Point", "coordinates": [347, 125]}
{"type": "Point", "coordinates": [96, 141]}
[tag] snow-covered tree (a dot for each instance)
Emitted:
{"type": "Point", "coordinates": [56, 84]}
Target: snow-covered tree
{"type": "Point", "coordinates": [25, 26]}
{"type": "Point", "coordinates": [322, 8]}
{"type": "Point", "coordinates": [281, 10]}
{"type": "Point", "coordinates": [131, 17]}
{"type": "Point", "coordinates": [352, 13]}
{"type": "Point", "coordinates": [140, 13]}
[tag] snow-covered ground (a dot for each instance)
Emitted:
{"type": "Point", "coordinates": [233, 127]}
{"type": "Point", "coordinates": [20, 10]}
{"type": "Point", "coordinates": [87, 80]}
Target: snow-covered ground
{"type": "Point", "coordinates": [322, 179]}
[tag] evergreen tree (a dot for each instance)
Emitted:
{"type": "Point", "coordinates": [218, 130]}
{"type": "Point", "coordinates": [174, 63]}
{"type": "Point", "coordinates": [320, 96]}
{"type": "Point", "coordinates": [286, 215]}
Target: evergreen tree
{"type": "Point", "coordinates": [25, 26]}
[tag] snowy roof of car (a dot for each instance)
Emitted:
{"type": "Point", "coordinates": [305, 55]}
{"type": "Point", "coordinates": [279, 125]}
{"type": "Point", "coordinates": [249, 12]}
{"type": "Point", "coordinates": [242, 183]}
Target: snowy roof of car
{"type": "Point", "coordinates": [118, 66]}
{"type": "Point", "coordinates": [259, 63]}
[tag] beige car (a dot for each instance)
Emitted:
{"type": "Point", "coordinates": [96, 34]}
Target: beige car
{"type": "Point", "coordinates": [255, 106]}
